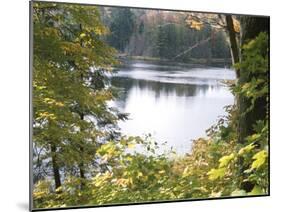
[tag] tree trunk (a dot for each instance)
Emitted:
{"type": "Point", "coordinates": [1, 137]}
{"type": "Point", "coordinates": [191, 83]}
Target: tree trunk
{"type": "Point", "coordinates": [233, 41]}
{"type": "Point", "coordinates": [251, 27]}
{"type": "Point", "coordinates": [55, 166]}
{"type": "Point", "coordinates": [82, 173]}
{"type": "Point", "coordinates": [81, 164]}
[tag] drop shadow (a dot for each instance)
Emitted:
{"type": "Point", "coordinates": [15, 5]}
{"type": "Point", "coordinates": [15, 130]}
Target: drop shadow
{"type": "Point", "coordinates": [23, 205]}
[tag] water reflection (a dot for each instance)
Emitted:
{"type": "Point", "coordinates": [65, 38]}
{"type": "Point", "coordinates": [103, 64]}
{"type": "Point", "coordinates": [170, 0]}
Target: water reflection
{"type": "Point", "coordinates": [174, 103]}
{"type": "Point", "coordinates": [158, 89]}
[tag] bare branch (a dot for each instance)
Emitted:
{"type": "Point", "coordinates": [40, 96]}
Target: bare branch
{"type": "Point", "coordinates": [192, 47]}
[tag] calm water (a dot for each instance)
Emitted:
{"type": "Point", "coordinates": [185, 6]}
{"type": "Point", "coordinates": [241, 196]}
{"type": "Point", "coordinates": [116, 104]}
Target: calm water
{"type": "Point", "coordinates": [174, 103]}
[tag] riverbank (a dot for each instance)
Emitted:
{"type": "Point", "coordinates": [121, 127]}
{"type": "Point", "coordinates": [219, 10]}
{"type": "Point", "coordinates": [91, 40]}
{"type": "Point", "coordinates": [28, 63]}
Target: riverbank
{"type": "Point", "coordinates": [225, 62]}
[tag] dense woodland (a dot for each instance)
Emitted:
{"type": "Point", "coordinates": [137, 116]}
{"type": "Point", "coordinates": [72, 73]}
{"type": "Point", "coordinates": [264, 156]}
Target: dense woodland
{"type": "Point", "coordinates": [79, 155]}
{"type": "Point", "coordinates": [162, 34]}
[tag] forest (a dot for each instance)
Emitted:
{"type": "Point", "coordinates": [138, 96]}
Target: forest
{"type": "Point", "coordinates": [162, 34]}
{"type": "Point", "coordinates": [81, 157]}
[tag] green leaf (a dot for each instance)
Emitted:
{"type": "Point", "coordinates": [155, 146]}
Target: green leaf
{"type": "Point", "coordinates": [257, 190]}
{"type": "Point", "coordinates": [253, 137]}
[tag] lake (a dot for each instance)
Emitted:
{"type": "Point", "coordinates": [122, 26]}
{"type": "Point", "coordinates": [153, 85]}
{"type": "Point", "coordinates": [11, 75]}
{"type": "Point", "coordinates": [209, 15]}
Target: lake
{"type": "Point", "coordinates": [173, 102]}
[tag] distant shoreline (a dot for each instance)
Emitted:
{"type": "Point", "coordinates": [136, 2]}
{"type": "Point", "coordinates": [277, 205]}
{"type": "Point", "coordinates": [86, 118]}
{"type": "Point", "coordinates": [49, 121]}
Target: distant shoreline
{"type": "Point", "coordinates": [198, 61]}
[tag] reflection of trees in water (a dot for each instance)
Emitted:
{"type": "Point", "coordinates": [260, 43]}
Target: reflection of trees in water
{"type": "Point", "coordinates": [168, 65]}
{"type": "Point", "coordinates": [158, 88]}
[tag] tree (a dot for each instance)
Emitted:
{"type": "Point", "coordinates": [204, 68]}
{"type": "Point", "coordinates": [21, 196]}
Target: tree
{"type": "Point", "coordinates": [162, 42]}
{"type": "Point", "coordinates": [233, 41]}
{"type": "Point", "coordinates": [251, 27]}
{"type": "Point", "coordinates": [121, 28]}
{"type": "Point", "coordinates": [69, 93]}
{"type": "Point", "coordinates": [219, 46]}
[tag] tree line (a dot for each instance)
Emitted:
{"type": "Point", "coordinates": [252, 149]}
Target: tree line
{"type": "Point", "coordinates": [161, 34]}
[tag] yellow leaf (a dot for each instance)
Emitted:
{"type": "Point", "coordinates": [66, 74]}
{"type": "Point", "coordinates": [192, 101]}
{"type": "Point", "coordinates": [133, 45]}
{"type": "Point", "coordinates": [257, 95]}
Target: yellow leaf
{"type": "Point", "coordinates": [216, 173]}
{"type": "Point", "coordinates": [38, 195]}
{"type": "Point", "coordinates": [246, 149]}
{"type": "Point", "coordinates": [82, 35]}
{"type": "Point", "coordinates": [259, 159]}
{"type": "Point", "coordinates": [185, 171]}
{"type": "Point", "coordinates": [196, 25]}
{"type": "Point", "coordinates": [60, 104]}
{"type": "Point", "coordinates": [59, 189]}
{"type": "Point", "coordinates": [224, 161]}
{"type": "Point", "coordinates": [140, 174]}
{"type": "Point", "coordinates": [131, 146]}
{"type": "Point", "coordinates": [236, 25]}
